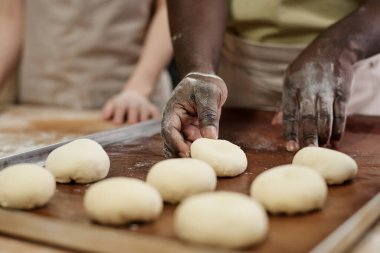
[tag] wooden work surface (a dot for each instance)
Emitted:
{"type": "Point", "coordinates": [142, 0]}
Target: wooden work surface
{"type": "Point", "coordinates": [25, 127]}
{"type": "Point", "coordinates": [264, 148]}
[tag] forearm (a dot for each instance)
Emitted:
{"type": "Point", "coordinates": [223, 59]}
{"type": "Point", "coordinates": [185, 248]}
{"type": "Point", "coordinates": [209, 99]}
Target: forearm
{"type": "Point", "coordinates": [156, 54]}
{"type": "Point", "coordinates": [197, 29]}
{"type": "Point", "coordinates": [357, 35]}
{"type": "Point", "coordinates": [11, 30]}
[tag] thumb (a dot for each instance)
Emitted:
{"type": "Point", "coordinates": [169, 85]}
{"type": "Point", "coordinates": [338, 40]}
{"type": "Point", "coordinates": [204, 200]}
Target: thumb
{"type": "Point", "coordinates": [208, 115]}
{"type": "Point", "coordinates": [277, 119]}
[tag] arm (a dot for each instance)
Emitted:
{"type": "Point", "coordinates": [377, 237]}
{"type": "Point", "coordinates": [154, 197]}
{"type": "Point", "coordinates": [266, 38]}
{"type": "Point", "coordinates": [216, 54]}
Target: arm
{"type": "Point", "coordinates": [11, 31]}
{"type": "Point", "coordinates": [194, 109]}
{"type": "Point", "coordinates": [197, 29]}
{"type": "Point", "coordinates": [156, 54]}
{"type": "Point", "coordinates": [317, 84]}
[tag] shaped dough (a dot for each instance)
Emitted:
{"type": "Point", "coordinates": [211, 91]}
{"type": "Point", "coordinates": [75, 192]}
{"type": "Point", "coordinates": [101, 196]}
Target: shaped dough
{"type": "Point", "coordinates": [179, 178]}
{"type": "Point", "coordinates": [224, 219]}
{"type": "Point", "coordinates": [25, 186]}
{"type": "Point", "coordinates": [82, 161]}
{"type": "Point", "coordinates": [120, 200]}
{"type": "Point", "coordinates": [336, 167]}
{"type": "Point", "coordinates": [227, 159]}
{"type": "Point", "coordinates": [289, 189]}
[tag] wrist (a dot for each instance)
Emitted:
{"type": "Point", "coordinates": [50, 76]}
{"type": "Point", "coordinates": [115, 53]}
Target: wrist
{"type": "Point", "coordinates": [207, 77]}
{"type": "Point", "coordinates": [143, 86]}
{"type": "Point", "coordinates": [352, 35]}
{"type": "Point", "coordinates": [202, 74]}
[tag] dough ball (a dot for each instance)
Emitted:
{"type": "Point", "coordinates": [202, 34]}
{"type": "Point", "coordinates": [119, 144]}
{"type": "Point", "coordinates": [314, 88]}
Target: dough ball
{"type": "Point", "coordinates": [336, 167]}
{"type": "Point", "coordinates": [227, 159]}
{"type": "Point", "coordinates": [82, 161]}
{"type": "Point", "coordinates": [224, 219]}
{"type": "Point", "coordinates": [120, 200]}
{"type": "Point", "coordinates": [25, 186]}
{"type": "Point", "coordinates": [290, 189]}
{"type": "Point", "coordinates": [179, 178]}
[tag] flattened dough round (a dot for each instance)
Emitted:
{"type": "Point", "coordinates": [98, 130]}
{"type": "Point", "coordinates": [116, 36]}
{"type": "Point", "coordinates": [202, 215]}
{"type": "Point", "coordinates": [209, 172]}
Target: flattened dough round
{"type": "Point", "coordinates": [179, 178]}
{"type": "Point", "coordinates": [290, 189]}
{"type": "Point", "coordinates": [120, 200]}
{"type": "Point", "coordinates": [82, 161]}
{"type": "Point", "coordinates": [336, 167]}
{"type": "Point", "coordinates": [227, 159]}
{"type": "Point", "coordinates": [224, 219]}
{"type": "Point", "coordinates": [25, 186]}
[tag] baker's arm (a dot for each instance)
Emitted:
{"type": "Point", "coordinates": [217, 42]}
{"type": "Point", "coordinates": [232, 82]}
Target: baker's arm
{"type": "Point", "coordinates": [317, 84]}
{"type": "Point", "coordinates": [194, 109]}
{"type": "Point", "coordinates": [11, 34]}
{"type": "Point", "coordinates": [133, 100]}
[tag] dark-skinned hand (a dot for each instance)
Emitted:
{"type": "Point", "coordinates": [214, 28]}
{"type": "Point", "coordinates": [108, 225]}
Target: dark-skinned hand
{"type": "Point", "coordinates": [193, 111]}
{"type": "Point", "coordinates": [315, 95]}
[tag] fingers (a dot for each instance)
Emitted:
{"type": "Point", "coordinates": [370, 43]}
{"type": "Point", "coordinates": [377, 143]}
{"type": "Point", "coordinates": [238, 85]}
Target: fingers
{"type": "Point", "coordinates": [192, 132]}
{"type": "Point", "coordinates": [290, 118]}
{"type": "Point", "coordinates": [324, 118]}
{"type": "Point", "coordinates": [174, 143]}
{"type": "Point", "coordinates": [339, 119]}
{"type": "Point", "coordinates": [131, 107]}
{"type": "Point", "coordinates": [277, 119]}
{"type": "Point", "coordinates": [143, 114]}
{"type": "Point", "coordinates": [132, 117]}
{"type": "Point", "coordinates": [108, 110]}
{"type": "Point", "coordinates": [119, 115]}
{"type": "Point", "coordinates": [208, 111]}
{"type": "Point", "coordinates": [309, 122]}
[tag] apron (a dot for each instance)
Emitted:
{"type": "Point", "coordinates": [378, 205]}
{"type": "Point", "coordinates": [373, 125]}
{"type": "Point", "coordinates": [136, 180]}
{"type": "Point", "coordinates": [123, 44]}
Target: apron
{"type": "Point", "coordinates": [78, 54]}
{"type": "Point", "coordinates": [254, 75]}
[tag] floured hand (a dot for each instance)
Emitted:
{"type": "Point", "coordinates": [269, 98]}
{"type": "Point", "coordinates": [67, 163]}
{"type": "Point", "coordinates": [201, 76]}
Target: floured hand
{"type": "Point", "coordinates": [315, 95]}
{"type": "Point", "coordinates": [131, 107]}
{"type": "Point", "coordinates": [193, 111]}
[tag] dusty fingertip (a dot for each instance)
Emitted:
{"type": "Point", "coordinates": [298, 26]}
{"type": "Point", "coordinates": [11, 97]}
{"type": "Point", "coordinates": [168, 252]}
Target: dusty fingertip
{"type": "Point", "coordinates": [277, 119]}
{"type": "Point", "coordinates": [292, 146]}
{"type": "Point", "coordinates": [184, 154]}
{"type": "Point", "coordinates": [209, 132]}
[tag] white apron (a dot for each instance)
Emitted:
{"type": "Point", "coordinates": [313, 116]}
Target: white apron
{"type": "Point", "coordinates": [78, 54]}
{"type": "Point", "coordinates": [254, 75]}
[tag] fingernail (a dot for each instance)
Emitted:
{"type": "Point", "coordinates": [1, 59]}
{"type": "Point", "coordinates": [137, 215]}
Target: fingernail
{"type": "Point", "coordinates": [210, 132]}
{"type": "Point", "coordinates": [292, 146]}
{"type": "Point", "coordinates": [183, 154]}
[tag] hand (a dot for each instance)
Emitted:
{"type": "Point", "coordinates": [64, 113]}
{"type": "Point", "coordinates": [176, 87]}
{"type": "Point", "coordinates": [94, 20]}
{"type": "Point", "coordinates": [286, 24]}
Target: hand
{"type": "Point", "coordinates": [193, 111]}
{"type": "Point", "coordinates": [130, 106]}
{"type": "Point", "coordinates": [316, 91]}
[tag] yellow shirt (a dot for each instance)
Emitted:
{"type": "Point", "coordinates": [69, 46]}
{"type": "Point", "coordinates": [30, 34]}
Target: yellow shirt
{"type": "Point", "coordinates": [285, 21]}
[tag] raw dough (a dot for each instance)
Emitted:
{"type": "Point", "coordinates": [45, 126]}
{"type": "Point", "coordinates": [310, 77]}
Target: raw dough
{"type": "Point", "coordinates": [25, 186]}
{"type": "Point", "coordinates": [82, 161]}
{"type": "Point", "coordinates": [336, 167]}
{"type": "Point", "coordinates": [225, 219]}
{"type": "Point", "coordinates": [227, 159]}
{"type": "Point", "coordinates": [179, 178]}
{"type": "Point", "coordinates": [120, 200]}
{"type": "Point", "coordinates": [290, 189]}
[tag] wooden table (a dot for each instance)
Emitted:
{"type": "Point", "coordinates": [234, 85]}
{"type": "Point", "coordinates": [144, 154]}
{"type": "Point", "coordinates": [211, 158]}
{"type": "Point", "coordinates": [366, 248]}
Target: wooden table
{"type": "Point", "coordinates": [264, 147]}
{"type": "Point", "coordinates": [27, 127]}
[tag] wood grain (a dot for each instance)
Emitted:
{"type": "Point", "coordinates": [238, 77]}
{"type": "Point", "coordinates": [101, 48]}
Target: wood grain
{"type": "Point", "coordinates": [264, 147]}
{"type": "Point", "coordinates": [351, 230]}
{"type": "Point", "coordinates": [87, 237]}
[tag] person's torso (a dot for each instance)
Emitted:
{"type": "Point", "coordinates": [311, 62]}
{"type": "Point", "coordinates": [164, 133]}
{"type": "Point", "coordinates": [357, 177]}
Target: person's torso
{"type": "Point", "coordinates": [79, 53]}
{"type": "Point", "coordinates": [285, 21]}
